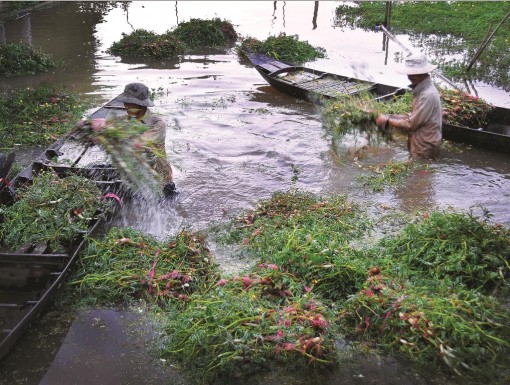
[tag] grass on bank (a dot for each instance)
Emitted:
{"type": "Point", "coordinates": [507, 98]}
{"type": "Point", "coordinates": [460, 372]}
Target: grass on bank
{"type": "Point", "coordinates": [431, 293]}
{"type": "Point", "coordinates": [37, 116]}
{"type": "Point", "coordinates": [445, 28]}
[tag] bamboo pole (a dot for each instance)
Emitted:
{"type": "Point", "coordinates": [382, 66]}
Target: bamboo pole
{"type": "Point", "coordinates": [486, 42]}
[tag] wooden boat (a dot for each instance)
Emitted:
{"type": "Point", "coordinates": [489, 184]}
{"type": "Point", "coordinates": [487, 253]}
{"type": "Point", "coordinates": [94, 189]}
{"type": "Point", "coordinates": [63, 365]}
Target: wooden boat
{"type": "Point", "coordinates": [31, 275]}
{"type": "Point", "coordinates": [494, 136]}
{"type": "Point", "coordinates": [318, 86]}
{"type": "Point", "coordinates": [315, 86]}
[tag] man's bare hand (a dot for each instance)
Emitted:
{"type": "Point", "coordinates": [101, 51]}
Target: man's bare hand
{"type": "Point", "coordinates": [381, 120]}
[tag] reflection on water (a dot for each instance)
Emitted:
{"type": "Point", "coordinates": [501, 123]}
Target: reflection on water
{"type": "Point", "coordinates": [418, 193]}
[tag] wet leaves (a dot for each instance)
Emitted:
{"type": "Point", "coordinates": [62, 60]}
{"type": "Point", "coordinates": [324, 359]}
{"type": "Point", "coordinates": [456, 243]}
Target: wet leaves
{"type": "Point", "coordinates": [196, 33]}
{"type": "Point", "coordinates": [283, 47]}
{"type": "Point", "coordinates": [52, 210]}
{"type": "Point", "coordinates": [463, 109]}
{"type": "Point", "coordinates": [432, 292]}
{"type": "Point", "coordinates": [428, 292]}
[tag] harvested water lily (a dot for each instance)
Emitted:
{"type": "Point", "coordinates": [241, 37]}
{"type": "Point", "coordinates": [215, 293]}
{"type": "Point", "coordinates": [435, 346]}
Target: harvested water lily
{"type": "Point", "coordinates": [132, 155]}
{"type": "Point", "coordinates": [52, 210]}
{"type": "Point", "coordinates": [354, 114]}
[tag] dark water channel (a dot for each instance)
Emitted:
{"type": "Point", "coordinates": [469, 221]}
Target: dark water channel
{"type": "Point", "coordinates": [232, 140]}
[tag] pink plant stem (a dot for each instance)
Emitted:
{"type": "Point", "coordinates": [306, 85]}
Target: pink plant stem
{"type": "Point", "coordinates": [151, 274]}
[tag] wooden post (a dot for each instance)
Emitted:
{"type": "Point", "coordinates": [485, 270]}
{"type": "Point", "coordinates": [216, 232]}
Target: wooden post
{"type": "Point", "coordinates": [315, 11]}
{"type": "Point", "coordinates": [387, 16]}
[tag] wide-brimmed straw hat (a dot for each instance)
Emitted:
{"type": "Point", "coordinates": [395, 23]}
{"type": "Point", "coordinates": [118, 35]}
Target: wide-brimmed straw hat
{"type": "Point", "coordinates": [416, 64]}
{"type": "Point", "coordinates": [136, 93]}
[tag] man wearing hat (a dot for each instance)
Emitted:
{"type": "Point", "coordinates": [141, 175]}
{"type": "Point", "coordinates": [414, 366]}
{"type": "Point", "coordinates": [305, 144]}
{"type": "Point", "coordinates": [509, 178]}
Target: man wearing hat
{"type": "Point", "coordinates": [136, 100]}
{"type": "Point", "coordinates": [424, 123]}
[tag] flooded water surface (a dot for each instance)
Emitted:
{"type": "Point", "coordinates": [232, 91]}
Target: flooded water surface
{"type": "Point", "coordinates": [232, 140]}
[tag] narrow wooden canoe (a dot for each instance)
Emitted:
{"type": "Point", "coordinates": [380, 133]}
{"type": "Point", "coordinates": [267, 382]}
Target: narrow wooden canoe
{"type": "Point", "coordinates": [31, 275]}
{"type": "Point", "coordinates": [317, 86]}
{"type": "Point", "coordinates": [494, 136]}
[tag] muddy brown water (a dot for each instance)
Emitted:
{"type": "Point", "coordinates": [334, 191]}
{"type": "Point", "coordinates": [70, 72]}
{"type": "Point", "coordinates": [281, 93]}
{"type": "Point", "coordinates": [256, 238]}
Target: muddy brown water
{"type": "Point", "coordinates": [232, 140]}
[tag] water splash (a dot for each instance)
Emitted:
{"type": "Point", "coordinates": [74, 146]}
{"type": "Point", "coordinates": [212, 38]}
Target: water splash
{"type": "Point", "coordinates": [157, 217]}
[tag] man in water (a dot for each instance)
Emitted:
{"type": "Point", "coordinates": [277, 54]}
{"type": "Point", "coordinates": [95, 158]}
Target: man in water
{"type": "Point", "coordinates": [424, 123]}
{"type": "Point", "coordinates": [136, 101]}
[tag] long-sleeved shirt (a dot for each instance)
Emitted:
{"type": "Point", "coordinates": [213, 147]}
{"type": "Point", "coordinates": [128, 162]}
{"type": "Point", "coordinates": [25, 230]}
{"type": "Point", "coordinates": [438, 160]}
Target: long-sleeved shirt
{"type": "Point", "coordinates": [424, 123]}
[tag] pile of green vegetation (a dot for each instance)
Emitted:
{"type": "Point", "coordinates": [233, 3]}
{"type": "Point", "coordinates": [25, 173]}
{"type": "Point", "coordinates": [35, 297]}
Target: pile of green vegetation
{"type": "Point", "coordinates": [196, 33]}
{"type": "Point", "coordinates": [134, 156]}
{"type": "Point", "coordinates": [143, 43]}
{"type": "Point", "coordinates": [37, 116]}
{"type": "Point", "coordinates": [126, 264]}
{"type": "Point", "coordinates": [52, 210]}
{"type": "Point", "coordinates": [447, 28]}
{"type": "Point", "coordinates": [436, 294]}
{"type": "Point", "coordinates": [430, 293]}
{"type": "Point", "coordinates": [18, 59]}
{"type": "Point", "coordinates": [356, 114]}
{"type": "Point", "coordinates": [463, 109]}
{"type": "Point", "coordinates": [283, 47]}
{"type": "Point", "coordinates": [262, 320]}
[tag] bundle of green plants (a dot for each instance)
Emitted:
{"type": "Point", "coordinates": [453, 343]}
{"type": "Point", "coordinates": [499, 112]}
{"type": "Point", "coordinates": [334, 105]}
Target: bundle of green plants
{"type": "Point", "coordinates": [200, 33]}
{"type": "Point", "coordinates": [19, 59]}
{"type": "Point", "coordinates": [37, 115]}
{"type": "Point", "coordinates": [133, 155]}
{"type": "Point", "coordinates": [53, 210]}
{"type": "Point", "coordinates": [459, 247]}
{"type": "Point", "coordinates": [126, 264]}
{"type": "Point", "coordinates": [434, 294]}
{"type": "Point", "coordinates": [147, 44]}
{"type": "Point", "coordinates": [353, 115]}
{"type": "Point", "coordinates": [459, 108]}
{"type": "Point", "coordinates": [379, 176]}
{"type": "Point", "coordinates": [309, 237]}
{"type": "Point", "coordinates": [196, 33]}
{"type": "Point", "coordinates": [265, 319]}
{"type": "Point", "coordinates": [463, 109]}
{"type": "Point", "coordinates": [283, 47]}
{"type": "Point", "coordinates": [460, 329]}
{"type": "Point", "coordinates": [433, 291]}
{"type": "Point", "coordinates": [356, 114]}
{"type": "Point", "coordinates": [435, 25]}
